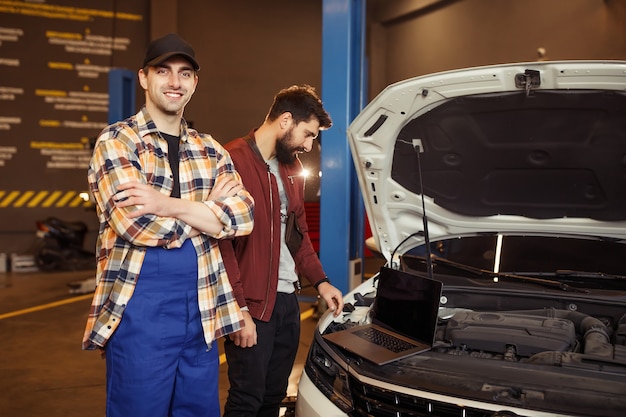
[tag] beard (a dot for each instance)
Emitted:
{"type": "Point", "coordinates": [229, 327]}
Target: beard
{"type": "Point", "coordinates": [285, 153]}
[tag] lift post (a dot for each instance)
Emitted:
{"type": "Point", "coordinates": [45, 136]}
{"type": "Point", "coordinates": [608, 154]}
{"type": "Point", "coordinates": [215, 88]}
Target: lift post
{"type": "Point", "coordinates": [343, 89]}
{"type": "Point", "coordinates": [122, 87]}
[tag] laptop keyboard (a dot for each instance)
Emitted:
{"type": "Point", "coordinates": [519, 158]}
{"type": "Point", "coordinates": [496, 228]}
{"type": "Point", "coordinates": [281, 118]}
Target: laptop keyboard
{"type": "Point", "coordinates": [385, 340]}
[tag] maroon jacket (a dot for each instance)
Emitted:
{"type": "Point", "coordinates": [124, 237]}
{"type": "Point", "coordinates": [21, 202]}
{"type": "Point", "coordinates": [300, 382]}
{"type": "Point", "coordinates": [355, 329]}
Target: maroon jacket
{"type": "Point", "coordinates": [252, 261]}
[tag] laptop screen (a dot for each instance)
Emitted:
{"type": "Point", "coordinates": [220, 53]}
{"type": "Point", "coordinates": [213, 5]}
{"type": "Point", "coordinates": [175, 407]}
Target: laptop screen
{"type": "Point", "coordinates": [407, 303]}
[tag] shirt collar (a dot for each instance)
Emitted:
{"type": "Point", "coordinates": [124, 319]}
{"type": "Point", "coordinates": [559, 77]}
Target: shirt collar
{"type": "Point", "coordinates": [146, 125]}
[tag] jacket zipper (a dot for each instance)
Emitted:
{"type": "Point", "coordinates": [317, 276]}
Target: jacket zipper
{"type": "Point", "coordinates": [267, 294]}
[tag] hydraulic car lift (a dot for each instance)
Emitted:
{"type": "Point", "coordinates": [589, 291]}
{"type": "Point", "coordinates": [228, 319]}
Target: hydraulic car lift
{"type": "Point", "coordinates": [343, 93]}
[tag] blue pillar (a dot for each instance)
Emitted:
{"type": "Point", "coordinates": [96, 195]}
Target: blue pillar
{"type": "Point", "coordinates": [343, 87]}
{"type": "Point", "coordinates": [122, 87]}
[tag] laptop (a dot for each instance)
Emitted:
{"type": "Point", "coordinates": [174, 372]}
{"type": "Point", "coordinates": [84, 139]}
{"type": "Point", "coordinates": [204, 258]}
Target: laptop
{"type": "Point", "coordinates": [404, 312]}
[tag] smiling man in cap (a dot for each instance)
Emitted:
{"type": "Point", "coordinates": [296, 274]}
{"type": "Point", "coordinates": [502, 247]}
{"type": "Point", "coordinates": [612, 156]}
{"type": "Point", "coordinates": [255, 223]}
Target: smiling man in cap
{"type": "Point", "coordinates": [164, 196]}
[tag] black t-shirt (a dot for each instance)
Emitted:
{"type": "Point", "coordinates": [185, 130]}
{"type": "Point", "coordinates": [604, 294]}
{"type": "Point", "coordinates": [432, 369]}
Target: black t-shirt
{"type": "Point", "coordinates": [173, 144]}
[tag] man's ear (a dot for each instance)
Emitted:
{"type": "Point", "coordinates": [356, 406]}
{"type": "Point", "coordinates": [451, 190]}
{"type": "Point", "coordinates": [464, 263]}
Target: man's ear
{"type": "Point", "coordinates": [285, 119]}
{"type": "Point", "coordinates": [142, 76]}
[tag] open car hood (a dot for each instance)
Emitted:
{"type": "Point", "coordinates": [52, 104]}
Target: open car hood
{"type": "Point", "coordinates": [531, 148]}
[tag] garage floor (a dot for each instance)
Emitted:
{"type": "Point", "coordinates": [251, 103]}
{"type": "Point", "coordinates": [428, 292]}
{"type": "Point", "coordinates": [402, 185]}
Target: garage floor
{"type": "Point", "coordinates": [44, 372]}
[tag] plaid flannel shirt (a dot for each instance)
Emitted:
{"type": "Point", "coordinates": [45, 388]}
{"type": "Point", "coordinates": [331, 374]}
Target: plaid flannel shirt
{"type": "Point", "coordinates": [133, 150]}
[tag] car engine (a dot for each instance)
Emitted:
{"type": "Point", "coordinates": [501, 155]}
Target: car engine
{"type": "Point", "coordinates": [550, 337]}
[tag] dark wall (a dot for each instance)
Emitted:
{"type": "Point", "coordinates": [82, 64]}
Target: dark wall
{"type": "Point", "coordinates": [408, 38]}
{"type": "Point", "coordinates": [248, 50]}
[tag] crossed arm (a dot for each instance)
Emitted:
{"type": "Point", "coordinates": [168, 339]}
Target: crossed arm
{"type": "Point", "coordinates": [195, 213]}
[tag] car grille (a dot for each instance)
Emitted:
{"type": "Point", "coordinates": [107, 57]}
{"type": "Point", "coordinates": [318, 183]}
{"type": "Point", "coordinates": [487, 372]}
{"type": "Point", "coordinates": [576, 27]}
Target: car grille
{"type": "Point", "coordinates": [370, 401]}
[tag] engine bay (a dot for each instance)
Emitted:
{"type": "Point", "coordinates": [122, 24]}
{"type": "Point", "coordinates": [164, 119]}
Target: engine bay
{"type": "Point", "coordinates": [550, 337]}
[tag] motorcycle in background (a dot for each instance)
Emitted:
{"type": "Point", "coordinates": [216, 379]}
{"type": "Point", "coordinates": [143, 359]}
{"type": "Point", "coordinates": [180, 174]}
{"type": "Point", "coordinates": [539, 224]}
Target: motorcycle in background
{"type": "Point", "coordinates": [60, 246]}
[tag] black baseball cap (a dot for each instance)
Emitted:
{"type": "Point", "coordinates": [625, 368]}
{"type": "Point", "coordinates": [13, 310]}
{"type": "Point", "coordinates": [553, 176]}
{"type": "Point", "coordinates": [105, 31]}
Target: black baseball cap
{"type": "Point", "coordinates": [168, 46]}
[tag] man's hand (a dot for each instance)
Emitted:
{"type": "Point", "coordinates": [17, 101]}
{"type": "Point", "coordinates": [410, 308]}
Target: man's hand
{"type": "Point", "coordinates": [245, 337]}
{"type": "Point", "coordinates": [145, 198]}
{"type": "Point", "coordinates": [332, 296]}
{"type": "Point", "coordinates": [225, 187]}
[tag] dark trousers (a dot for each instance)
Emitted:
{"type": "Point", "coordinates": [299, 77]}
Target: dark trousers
{"type": "Point", "coordinates": [259, 375]}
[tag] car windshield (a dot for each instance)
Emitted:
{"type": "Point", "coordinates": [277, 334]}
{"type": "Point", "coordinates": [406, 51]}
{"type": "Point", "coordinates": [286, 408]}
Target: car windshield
{"type": "Point", "coordinates": [575, 262]}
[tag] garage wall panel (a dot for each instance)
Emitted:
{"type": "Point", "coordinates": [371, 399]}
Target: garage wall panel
{"type": "Point", "coordinates": [54, 61]}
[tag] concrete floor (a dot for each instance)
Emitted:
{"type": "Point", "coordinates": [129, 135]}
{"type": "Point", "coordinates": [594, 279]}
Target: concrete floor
{"type": "Point", "coordinates": [44, 372]}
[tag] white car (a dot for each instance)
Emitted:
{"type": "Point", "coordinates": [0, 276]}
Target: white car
{"type": "Point", "coordinates": [523, 168]}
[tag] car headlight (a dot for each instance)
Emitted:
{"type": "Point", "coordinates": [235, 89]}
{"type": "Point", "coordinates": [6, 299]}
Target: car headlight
{"type": "Point", "coordinates": [328, 376]}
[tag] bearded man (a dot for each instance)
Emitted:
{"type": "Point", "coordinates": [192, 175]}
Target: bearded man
{"type": "Point", "coordinates": [266, 265]}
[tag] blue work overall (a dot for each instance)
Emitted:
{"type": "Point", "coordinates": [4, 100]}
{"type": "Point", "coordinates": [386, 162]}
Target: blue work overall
{"type": "Point", "coordinates": [158, 363]}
